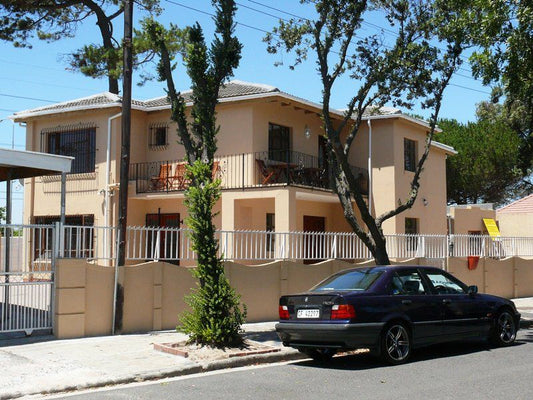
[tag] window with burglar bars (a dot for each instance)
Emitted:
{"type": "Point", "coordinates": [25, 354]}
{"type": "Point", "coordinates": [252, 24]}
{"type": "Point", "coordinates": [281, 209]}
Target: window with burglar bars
{"type": "Point", "coordinates": [78, 141]}
{"type": "Point", "coordinates": [158, 135]}
{"type": "Point", "coordinates": [409, 154]}
{"type": "Point", "coordinates": [44, 245]}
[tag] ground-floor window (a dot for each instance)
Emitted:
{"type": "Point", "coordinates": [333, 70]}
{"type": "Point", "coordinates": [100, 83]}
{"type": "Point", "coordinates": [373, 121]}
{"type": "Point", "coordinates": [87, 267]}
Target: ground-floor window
{"type": "Point", "coordinates": [79, 242]}
{"type": "Point", "coordinates": [270, 227]}
{"type": "Point", "coordinates": [412, 228]}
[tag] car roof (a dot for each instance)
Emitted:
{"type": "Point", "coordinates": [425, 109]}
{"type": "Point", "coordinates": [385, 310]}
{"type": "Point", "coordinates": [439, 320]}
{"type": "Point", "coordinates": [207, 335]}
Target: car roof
{"type": "Point", "coordinates": [385, 268]}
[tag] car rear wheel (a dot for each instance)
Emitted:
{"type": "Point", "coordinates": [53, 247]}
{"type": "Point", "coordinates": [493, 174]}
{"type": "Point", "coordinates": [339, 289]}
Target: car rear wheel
{"type": "Point", "coordinates": [395, 343]}
{"type": "Point", "coordinates": [319, 354]}
{"type": "Point", "coordinates": [504, 329]}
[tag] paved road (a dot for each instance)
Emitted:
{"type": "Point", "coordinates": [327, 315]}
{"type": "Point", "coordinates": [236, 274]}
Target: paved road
{"type": "Point", "coordinates": [455, 371]}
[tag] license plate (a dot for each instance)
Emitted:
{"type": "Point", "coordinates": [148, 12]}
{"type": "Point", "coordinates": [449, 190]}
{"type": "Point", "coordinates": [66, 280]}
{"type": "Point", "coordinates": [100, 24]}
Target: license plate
{"type": "Point", "coordinates": [308, 313]}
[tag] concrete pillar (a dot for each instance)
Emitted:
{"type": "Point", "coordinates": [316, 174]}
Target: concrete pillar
{"type": "Point", "coordinates": [228, 212]}
{"type": "Point", "coordinates": [285, 209]}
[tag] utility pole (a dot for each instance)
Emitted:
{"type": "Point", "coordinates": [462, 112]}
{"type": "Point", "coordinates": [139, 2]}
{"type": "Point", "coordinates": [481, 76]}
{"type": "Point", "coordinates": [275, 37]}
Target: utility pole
{"type": "Point", "coordinates": [126, 131]}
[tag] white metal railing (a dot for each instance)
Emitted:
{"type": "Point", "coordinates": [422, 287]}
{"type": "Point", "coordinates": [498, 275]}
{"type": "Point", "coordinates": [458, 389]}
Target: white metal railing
{"type": "Point", "coordinates": [173, 244]}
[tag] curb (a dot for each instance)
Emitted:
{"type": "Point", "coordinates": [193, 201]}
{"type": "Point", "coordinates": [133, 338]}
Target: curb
{"type": "Point", "coordinates": [234, 362]}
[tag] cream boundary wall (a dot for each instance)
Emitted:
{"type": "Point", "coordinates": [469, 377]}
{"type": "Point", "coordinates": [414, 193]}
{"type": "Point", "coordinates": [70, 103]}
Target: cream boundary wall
{"type": "Point", "coordinates": [154, 292]}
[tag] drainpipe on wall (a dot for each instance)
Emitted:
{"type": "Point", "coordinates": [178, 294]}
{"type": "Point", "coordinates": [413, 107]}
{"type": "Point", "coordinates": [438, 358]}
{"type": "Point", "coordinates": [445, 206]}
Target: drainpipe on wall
{"type": "Point", "coordinates": [369, 165]}
{"type": "Point", "coordinates": [107, 184]}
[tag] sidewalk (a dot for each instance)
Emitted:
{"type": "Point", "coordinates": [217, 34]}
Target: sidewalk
{"type": "Point", "coordinates": [46, 365]}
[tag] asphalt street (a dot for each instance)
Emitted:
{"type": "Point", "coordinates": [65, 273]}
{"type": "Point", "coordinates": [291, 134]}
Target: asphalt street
{"type": "Point", "coordinates": [451, 371]}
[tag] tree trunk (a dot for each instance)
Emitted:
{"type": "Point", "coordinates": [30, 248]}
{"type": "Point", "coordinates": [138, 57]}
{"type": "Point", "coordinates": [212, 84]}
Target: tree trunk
{"type": "Point", "coordinates": [380, 256]}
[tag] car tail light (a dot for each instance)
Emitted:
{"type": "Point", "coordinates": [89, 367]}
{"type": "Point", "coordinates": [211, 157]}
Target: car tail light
{"type": "Point", "coordinates": [342, 311]}
{"type": "Point", "coordinates": [283, 312]}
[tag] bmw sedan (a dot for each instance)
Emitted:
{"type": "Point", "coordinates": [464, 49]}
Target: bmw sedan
{"type": "Point", "coordinates": [391, 310]}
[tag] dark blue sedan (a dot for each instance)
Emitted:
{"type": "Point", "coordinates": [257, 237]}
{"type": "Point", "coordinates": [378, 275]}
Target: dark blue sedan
{"type": "Point", "coordinates": [392, 310]}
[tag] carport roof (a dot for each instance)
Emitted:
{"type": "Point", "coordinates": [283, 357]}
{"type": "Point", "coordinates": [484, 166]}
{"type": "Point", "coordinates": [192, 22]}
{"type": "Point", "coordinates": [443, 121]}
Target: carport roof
{"type": "Point", "coordinates": [27, 164]}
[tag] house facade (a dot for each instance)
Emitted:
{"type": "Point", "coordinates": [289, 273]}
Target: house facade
{"type": "Point", "coordinates": [271, 160]}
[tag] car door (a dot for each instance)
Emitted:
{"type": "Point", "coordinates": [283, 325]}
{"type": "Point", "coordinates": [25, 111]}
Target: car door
{"type": "Point", "coordinates": [414, 299]}
{"type": "Point", "coordinates": [463, 314]}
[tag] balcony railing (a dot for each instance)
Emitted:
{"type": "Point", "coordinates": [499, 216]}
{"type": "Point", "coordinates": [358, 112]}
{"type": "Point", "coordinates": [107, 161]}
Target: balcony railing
{"type": "Point", "coordinates": [241, 171]}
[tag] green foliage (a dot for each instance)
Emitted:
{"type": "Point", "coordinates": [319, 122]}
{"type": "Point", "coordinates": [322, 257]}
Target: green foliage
{"type": "Point", "coordinates": [484, 170]}
{"type": "Point", "coordinates": [2, 214]}
{"type": "Point", "coordinates": [414, 69]}
{"type": "Point", "coordinates": [51, 20]}
{"type": "Point", "coordinates": [505, 57]}
{"type": "Point", "coordinates": [216, 315]}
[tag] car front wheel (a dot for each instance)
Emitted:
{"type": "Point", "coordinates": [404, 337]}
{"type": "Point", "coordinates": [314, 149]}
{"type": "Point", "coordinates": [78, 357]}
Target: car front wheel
{"type": "Point", "coordinates": [504, 329]}
{"type": "Point", "coordinates": [395, 343]}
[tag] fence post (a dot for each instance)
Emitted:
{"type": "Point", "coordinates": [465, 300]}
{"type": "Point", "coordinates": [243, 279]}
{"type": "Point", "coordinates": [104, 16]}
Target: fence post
{"type": "Point", "coordinates": [334, 247]}
{"type": "Point", "coordinates": [57, 239]}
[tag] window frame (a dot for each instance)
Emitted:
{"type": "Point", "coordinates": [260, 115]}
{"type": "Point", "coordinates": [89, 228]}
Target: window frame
{"type": "Point", "coordinates": [410, 154]}
{"type": "Point", "coordinates": [279, 151]}
{"type": "Point", "coordinates": [154, 131]}
{"type": "Point", "coordinates": [78, 141]}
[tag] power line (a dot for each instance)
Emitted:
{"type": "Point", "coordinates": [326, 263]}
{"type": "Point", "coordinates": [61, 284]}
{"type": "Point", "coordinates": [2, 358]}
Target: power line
{"type": "Point", "coordinates": [30, 65]}
{"type": "Point", "coordinates": [28, 98]}
{"type": "Point", "coordinates": [265, 31]}
{"type": "Point", "coordinates": [42, 83]}
{"type": "Point", "coordinates": [363, 22]}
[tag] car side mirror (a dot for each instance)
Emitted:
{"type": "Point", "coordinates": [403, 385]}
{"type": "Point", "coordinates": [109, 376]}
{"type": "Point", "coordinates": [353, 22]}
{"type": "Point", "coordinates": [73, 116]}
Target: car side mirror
{"type": "Point", "coordinates": [472, 290]}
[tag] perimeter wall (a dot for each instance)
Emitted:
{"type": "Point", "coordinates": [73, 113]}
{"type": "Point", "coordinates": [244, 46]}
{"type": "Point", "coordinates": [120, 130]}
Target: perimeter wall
{"type": "Point", "coordinates": [154, 292]}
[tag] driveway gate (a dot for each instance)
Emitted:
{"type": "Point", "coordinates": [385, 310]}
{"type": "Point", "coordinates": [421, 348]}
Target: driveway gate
{"type": "Point", "coordinates": [27, 264]}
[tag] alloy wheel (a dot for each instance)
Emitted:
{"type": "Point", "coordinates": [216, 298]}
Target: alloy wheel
{"type": "Point", "coordinates": [506, 328]}
{"type": "Point", "coordinates": [397, 343]}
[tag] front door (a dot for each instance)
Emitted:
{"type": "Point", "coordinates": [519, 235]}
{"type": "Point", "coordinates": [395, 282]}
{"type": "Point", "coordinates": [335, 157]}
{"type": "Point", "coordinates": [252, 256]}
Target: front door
{"type": "Point", "coordinates": [312, 245]}
{"type": "Point", "coordinates": [168, 240]}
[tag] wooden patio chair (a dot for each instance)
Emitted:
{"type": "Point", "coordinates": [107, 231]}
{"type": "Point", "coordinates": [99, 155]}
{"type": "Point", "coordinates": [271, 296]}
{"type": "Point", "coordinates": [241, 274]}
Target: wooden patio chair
{"type": "Point", "coordinates": [216, 171]}
{"type": "Point", "coordinates": [162, 180]}
{"type": "Point", "coordinates": [266, 172]}
{"type": "Point", "coordinates": [179, 180]}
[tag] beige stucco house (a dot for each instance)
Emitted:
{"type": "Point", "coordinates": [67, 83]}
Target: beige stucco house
{"type": "Point", "coordinates": [271, 161]}
{"type": "Point", "coordinates": [516, 218]}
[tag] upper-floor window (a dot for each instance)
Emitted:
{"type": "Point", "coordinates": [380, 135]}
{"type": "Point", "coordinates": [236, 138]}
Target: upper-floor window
{"type": "Point", "coordinates": [78, 141]}
{"type": "Point", "coordinates": [409, 154]}
{"type": "Point", "coordinates": [279, 142]}
{"type": "Point", "coordinates": [158, 135]}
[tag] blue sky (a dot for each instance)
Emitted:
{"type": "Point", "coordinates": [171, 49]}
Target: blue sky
{"type": "Point", "coordinates": [34, 77]}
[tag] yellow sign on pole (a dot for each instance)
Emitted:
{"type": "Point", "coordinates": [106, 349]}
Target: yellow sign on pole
{"type": "Point", "coordinates": [492, 228]}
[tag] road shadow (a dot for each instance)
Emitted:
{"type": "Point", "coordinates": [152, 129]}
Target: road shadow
{"type": "Point", "coordinates": [364, 361]}
{"type": "Point", "coordinates": [18, 338]}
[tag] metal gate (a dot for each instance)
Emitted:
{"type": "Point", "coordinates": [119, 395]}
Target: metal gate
{"type": "Point", "coordinates": [27, 264]}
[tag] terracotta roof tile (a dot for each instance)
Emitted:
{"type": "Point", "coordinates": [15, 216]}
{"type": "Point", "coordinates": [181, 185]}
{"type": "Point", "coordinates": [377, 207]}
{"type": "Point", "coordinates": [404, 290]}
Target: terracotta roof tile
{"type": "Point", "coordinates": [524, 205]}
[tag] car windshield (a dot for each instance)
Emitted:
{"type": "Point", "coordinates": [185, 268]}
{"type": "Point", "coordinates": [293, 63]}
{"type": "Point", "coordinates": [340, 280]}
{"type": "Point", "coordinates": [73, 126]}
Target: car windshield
{"type": "Point", "coordinates": [352, 280]}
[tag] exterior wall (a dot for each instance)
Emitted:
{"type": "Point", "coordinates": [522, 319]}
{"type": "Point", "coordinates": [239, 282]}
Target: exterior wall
{"type": "Point", "coordinates": [154, 292]}
{"type": "Point", "coordinates": [469, 219]}
{"type": "Point", "coordinates": [244, 129]}
{"type": "Point", "coordinates": [285, 115]}
{"type": "Point", "coordinates": [515, 224]}
{"type": "Point", "coordinates": [432, 218]}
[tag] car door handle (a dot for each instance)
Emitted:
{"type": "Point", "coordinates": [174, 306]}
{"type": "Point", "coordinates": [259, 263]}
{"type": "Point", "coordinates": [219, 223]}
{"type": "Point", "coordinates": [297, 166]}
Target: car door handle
{"type": "Point", "coordinates": [446, 301]}
{"type": "Point", "coordinates": [407, 302]}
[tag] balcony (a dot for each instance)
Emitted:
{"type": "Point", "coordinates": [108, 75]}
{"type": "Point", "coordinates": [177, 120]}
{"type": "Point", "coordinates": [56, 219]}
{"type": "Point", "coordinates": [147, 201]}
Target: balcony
{"type": "Point", "coordinates": [243, 171]}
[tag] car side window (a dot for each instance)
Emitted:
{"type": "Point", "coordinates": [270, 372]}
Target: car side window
{"type": "Point", "coordinates": [444, 285]}
{"type": "Point", "coordinates": [407, 283]}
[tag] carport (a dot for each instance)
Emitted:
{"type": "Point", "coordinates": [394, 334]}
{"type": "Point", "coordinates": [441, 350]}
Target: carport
{"type": "Point", "coordinates": [18, 164]}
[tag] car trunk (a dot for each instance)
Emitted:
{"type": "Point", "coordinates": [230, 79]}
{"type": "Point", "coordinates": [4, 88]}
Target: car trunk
{"type": "Point", "coordinates": [311, 307]}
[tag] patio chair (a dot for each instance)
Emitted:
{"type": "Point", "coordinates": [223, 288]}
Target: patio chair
{"type": "Point", "coordinates": [216, 171]}
{"type": "Point", "coordinates": [179, 180]}
{"type": "Point", "coordinates": [162, 180]}
{"type": "Point", "coordinates": [266, 172]}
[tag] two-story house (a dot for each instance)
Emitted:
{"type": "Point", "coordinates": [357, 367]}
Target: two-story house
{"type": "Point", "coordinates": [271, 160]}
